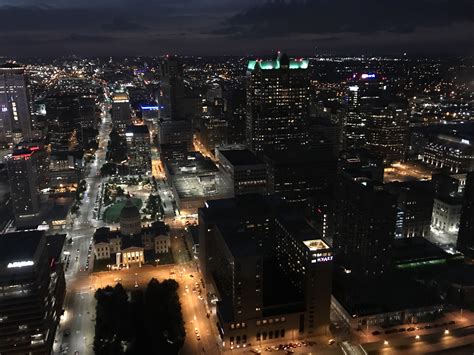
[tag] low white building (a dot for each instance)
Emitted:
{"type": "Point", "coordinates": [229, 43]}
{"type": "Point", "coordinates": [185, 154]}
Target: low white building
{"type": "Point", "coordinates": [102, 250]}
{"type": "Point", "coordinates": [162, 244]}
{"type": "Point", "coordinates": [132, 256]}
{"type": "Point", "coordinates": [446, 214]}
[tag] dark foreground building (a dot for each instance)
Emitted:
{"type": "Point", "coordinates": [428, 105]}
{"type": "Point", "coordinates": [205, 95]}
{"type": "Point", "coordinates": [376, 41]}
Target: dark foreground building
{"type": "Point", "coordinates": [465, 242]}
{"type": "Point", "coordinates": [270, 271]}
{"type": "Point", "coordinates": [32, 289]}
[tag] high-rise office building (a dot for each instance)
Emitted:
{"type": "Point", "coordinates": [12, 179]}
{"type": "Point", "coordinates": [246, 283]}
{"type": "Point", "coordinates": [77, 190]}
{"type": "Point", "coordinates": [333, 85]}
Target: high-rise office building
{"type": "Point", "coordinates": [24, 186]}
{"type": "Point", "coordinates": [42, 160]}
{"type": "Point", "coordinates": [387, 130]}
{"type": "Point", "coordinates": [172, 88]}
{"type": "Point", "coordinates": [277, 103]}
{"type": "Point", "coordinates": [63, 117]}
{"type": "Point", "coordinates": [15, 120]}
{"type": "Point", "coordinates": [297, 174]}
{"type": "Point", "coordinates": [213, 127]}
{"type": "Point", "coordinates": [32, 290]}
{"type": "Point", "coordinates": [138, 149]}
{"type": "Point", "coordinates": [121, 112]}
{"type": "Point", "coordinates": [271, 271]}
{"type": "Point", "coordinates": [175, 138]}
{"type": "Point", "coordinates": [365, 225]}
{"type": "Point", "coordinates": [465, 242]}
{"type": "Point", "coordinates": [175, 131]}
{"type": "Point", "coordinates": [363, 91]}
{"type": "Point", "coordinates": [248, 173]}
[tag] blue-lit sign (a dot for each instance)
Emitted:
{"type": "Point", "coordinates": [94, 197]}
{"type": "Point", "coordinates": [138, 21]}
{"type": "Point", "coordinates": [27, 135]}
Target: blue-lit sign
{"type": "Point", "coordinates": [150, 108]}
{"type": "Point", "coordinates": [368, 76]}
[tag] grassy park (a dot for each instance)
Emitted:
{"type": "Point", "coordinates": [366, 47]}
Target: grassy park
{"type": "Point", "coordinates": [112, 213]}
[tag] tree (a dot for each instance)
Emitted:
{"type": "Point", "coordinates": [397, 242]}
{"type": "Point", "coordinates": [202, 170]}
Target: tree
{"type": "Point", "coordinates": [108, 169]}
{"type": "Point", "coordinates": [149, 322]}
{"type": "Point", "coordinates": [119, 191]}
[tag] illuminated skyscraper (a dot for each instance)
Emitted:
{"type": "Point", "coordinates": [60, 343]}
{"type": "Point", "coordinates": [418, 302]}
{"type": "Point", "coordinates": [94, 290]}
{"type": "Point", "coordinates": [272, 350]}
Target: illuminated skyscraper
{"type": "Point", "coordinates": [121, 113]}
{"type": "Point", "coordinates": [277, 103]}
{"type": "Point", "coordinates": [24, 186]}
{"type": "Point", "coordinates": [15, 120]}
{"type": "Point", "coordinates": [363, 91]}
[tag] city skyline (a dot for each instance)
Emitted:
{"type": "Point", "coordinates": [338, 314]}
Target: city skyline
{"type": "Point", "coordinates": [281, 199]}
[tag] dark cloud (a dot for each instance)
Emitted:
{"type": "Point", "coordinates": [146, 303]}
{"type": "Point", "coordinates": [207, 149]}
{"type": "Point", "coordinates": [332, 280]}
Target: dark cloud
{"type": "Point", "coordinates": [77, 37]}
{"type": "Point", "coordinates": [127, 27]}
{"type": "Point", "coordinates": [36, 18]}
{"type": "Point", "coordinates": [337, 16]}
{"type": "Point", "coordinates": [122, 24]}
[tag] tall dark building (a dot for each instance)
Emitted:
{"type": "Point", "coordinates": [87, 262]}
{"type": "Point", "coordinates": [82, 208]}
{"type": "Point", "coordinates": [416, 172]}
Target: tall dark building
{"type": "Point", "coordinates": [297, 174]}
{"type": "Point", "coordinates": [175, 138]}
{"type": "Point", "coordinates": [175, 131]}
{"type": "Point", "coordinates": [32, 290]}
{"type": "Point", "coordinates": [271, 270]}
{"type": "Point", "coordinates": [15, 120]}
{"type": "Point", "coordinates": [24, 186]}
{"type": "Point", "coordinates": [365, 225]}
{"type": "Point", "coordinates": [138, 149]}
{"type": "Point", "coordinates": [277, 103]}
{"type": "Point", "coordinates": [213, 127]}
{"type": "Point", "coordinates": [172, 88]}
{"type": "Point", "coordinates": [465, 242]}
{"type": "Point", "coordinates": [63, 117]}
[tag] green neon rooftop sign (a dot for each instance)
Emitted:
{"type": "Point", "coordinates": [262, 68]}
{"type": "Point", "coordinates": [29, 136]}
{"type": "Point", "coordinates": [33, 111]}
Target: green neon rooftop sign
{"type": "Point", "coordinates": [275, 64]}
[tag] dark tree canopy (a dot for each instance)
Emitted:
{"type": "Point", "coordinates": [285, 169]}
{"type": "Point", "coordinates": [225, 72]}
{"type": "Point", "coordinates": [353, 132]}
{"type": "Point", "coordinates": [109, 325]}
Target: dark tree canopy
{"type": "Point", "coordinates": [148, 322]}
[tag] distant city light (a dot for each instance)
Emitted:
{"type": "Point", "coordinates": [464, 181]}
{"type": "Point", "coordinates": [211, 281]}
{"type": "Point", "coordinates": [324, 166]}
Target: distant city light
{"type": "Point", "coordinates": [368, 76]}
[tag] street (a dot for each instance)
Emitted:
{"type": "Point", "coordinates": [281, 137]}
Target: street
{"type": "Point", "coordinates": [76, 329]}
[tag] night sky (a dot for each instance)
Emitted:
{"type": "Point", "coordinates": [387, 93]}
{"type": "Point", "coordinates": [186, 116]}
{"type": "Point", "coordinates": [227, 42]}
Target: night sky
{"type": "Point", "coordinates": [236, 27]}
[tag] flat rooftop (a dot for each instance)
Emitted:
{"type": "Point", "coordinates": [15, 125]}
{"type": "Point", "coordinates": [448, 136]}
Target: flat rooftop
{"type": "Point", "coordinates": [198, 177]}
{"type": "Point", "coordinates": [316, 244]}
{"type": "Point", "coordinates": [416, 251]}
{"type": "Point", "coordinates": [241, 157]}
{"type": "Point", "coordinates": [137, 129]}
{"type": "Point", "coordinates": [119, 97]}
{"type": "Point", "coordinates": [390, 294]}
{"type": "Point", "coordinates": [19, 247]}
